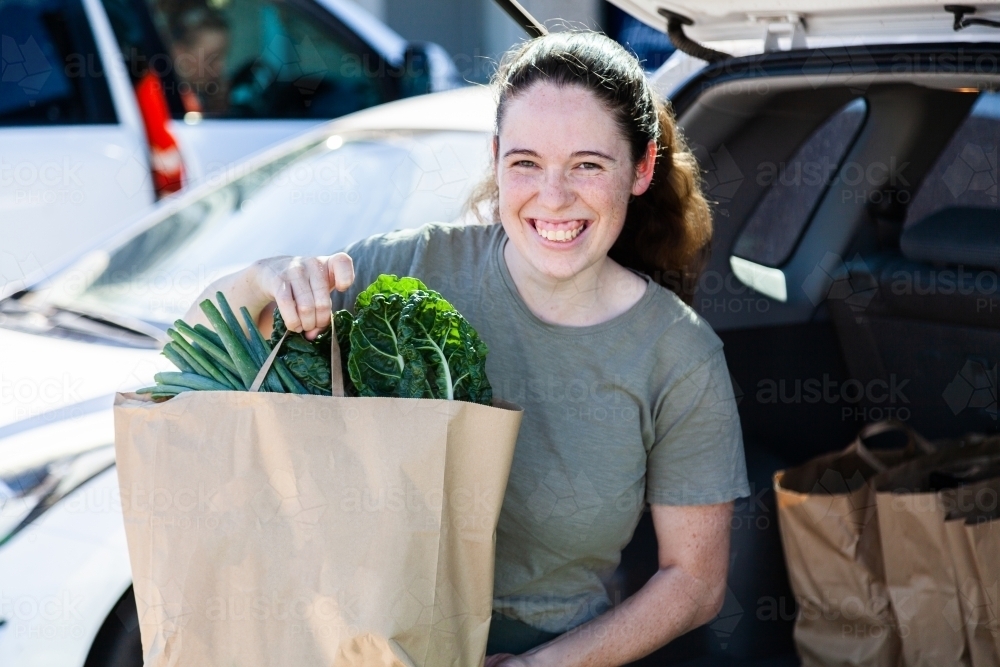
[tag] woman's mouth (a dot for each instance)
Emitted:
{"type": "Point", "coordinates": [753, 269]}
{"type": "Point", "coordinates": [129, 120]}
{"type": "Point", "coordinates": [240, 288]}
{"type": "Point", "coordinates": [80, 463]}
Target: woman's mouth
{"type": "Point", "coordinates": [561, 231]}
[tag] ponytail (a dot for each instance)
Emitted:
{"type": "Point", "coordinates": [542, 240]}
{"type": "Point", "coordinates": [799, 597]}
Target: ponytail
{"type": "Point", "coordinates": [668, 229]}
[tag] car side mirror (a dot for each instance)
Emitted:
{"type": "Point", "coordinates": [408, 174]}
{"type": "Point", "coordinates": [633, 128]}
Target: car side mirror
{"type": "Point", "coordinates": [427, 68]}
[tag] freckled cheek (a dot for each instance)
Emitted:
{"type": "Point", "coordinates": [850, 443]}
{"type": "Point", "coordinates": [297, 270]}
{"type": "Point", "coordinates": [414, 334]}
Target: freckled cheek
{"type": "Point", "coordinates": [515, 192]}
{"type": "Point", "coordinates": [608, 201]}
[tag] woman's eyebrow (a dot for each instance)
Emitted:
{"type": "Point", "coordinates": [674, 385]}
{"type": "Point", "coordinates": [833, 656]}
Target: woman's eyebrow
{"type": "Point", "coordinates": [528, 151]}
{"type": "Point", "coordinates": [595, 154]}
{"type": "Point", "coordinates": [521, 151]}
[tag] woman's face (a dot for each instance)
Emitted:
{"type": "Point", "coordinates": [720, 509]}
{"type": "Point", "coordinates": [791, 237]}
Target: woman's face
{"type": "Point", "coordinates": [565, 174]}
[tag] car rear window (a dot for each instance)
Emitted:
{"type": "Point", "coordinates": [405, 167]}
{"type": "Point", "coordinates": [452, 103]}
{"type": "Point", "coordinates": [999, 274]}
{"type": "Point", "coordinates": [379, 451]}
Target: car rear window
{"type": "Point", "coordinates": [52, 73]}
{"type": "Point", "coordinates": [795, 188]}
{"type": "Point", "coordinates": [965, 174]}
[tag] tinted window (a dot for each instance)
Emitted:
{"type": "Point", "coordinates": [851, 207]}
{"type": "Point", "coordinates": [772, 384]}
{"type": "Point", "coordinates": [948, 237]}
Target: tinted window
{"type": "Point", "coordinates": [51, 73]}
{"type": "Point", "coordinates": [249, 58]}
{"type": "Point", "coordinates": [965, 174]}
{"type": "Point", "coordinates": [773, 229]}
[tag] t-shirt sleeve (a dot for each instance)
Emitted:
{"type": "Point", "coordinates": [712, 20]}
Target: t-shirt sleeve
{"type": "Point", "coordinates": [697, 457]}
{"type": "Point", "coordinates": [395, 252]}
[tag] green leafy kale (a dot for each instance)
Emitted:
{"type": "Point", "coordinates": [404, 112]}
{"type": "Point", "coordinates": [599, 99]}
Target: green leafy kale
{"type": "Point", "coordinates": [375, 361]}
{"type": "Point", "coordinates": [308, 360]}
{"type": "Point", "coordinates": [404, 340]}
{"type": "Point", "coordinates": [444, 355]}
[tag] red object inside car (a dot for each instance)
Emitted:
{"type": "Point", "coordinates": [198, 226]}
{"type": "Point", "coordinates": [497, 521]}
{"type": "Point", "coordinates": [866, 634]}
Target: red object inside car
{"type": "Point", "coordinates": [167, 166]}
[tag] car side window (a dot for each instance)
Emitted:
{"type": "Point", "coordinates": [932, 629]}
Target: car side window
{"type": "Point", "coordinates": [795, 188]}
{"type": "Point", "coordinates": [264, 59]}
{"type": "Point", "coordinates": [965, 174]}
{"type": "Point", "coordinates": [51, 71]}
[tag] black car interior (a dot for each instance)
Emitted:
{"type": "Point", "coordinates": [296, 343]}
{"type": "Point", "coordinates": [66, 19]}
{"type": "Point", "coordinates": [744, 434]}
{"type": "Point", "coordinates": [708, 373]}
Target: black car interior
{"type": "Point", "coordinates": [882, 191]}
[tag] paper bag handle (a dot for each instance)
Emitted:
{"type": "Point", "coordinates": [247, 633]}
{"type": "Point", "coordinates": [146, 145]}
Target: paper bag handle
{"type": "Point", "coordinates": [336, 372]}
{"type": "Point", "coordinates": [915, 442]}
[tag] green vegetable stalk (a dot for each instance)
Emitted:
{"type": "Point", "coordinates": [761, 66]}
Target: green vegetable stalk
{"type": "Point", "coordinates": [404, 340]}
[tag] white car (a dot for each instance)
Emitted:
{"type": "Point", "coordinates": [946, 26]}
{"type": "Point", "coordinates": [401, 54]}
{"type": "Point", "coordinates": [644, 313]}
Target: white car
{"type": "Point", "coordinates": [95, 328]}
{"type": "Point", "coordinates": [844, 148]}
{"type": "Point", "coordinates": [107, 105]}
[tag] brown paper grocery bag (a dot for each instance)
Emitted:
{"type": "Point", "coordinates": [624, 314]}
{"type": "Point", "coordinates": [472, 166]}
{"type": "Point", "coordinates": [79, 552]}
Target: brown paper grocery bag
{"type": "Point", "coordinates": [271, 529]}
{"type": "Point", "coordinates": [983, 537]}
{"type": "Point", "coordinates": [973, 503]}
{"type": "Point", "coordinates": [920, 572]}
{"type": "Point", "coordinates": [829, 531]}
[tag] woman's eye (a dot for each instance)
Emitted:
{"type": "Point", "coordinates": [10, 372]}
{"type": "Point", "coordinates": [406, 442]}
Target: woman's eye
{"type": "Point", "coordinates": [590, 165]}
{"type": "Point", "coordinates": [524, 163]}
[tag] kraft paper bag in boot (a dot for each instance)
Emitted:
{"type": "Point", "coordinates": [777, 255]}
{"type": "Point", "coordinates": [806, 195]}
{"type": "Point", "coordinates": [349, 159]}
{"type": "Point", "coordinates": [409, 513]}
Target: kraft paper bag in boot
{"type": "Point", "coordinates": [982, 533]}
{"type": "Point", "coordinates": [826, 515]}
{"type": "Point", "coordinates": [973, 504]}
{"type": "Point", "coordinates": [920, 572]}
{"type": "Point", "coordinates": [271, 529]}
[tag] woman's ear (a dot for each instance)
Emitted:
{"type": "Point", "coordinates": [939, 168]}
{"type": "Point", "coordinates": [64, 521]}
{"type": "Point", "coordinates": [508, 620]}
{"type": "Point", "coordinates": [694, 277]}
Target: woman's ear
{"type": "Point", "coordinates": [644, 170]}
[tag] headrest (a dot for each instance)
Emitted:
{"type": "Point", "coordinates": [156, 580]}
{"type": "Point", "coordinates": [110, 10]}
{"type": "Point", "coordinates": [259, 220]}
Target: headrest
{"type": "Point", "coordinates": [959, 235]}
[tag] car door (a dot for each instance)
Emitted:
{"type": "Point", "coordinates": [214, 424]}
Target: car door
{"type": "Point", "coordinates": [73, 157]}
{"type": "Point", "coordinates": [241, 75]}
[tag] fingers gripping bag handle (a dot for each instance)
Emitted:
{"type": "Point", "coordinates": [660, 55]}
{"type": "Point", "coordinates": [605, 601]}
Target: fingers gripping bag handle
{"type": "Point", "coordinates": [336, 372]}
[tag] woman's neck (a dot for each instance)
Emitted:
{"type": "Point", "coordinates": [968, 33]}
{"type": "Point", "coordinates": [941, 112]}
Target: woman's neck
{"type": "Point", "coordinates": [597, 294]}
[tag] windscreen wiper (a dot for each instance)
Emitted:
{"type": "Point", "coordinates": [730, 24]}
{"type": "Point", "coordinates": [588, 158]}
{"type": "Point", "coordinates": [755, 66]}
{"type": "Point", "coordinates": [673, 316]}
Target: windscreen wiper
{"type": "Point", "coordinates": [132, 325]}
{"type": "Point", "coordinates": [50, 318]}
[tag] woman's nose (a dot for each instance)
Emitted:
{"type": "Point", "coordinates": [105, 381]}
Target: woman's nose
{"type": "Point", "coordinates": [556, 192]}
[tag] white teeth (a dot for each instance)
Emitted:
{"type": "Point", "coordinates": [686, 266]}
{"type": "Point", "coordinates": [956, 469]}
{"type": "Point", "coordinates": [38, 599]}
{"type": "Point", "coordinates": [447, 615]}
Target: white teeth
{"type": "Point", "coordinates": [559, 234]}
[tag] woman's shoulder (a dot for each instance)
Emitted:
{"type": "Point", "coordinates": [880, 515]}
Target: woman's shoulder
{"type": "Point", "coordinates": [458, 239]}
{"type": "Point", "coordinates": [681, 333]}
{"type": "Point", "coordinates": [445, 256]}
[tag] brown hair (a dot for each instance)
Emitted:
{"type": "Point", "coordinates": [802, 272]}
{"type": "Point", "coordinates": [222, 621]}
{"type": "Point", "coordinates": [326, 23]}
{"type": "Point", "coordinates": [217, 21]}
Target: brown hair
{"type": "Point", "coordinates": [668, 229]}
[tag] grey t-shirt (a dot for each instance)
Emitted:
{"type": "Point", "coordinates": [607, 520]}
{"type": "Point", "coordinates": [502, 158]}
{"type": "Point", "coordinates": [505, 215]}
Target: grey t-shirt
{"type": "Point", "coordinates": [633, 410]}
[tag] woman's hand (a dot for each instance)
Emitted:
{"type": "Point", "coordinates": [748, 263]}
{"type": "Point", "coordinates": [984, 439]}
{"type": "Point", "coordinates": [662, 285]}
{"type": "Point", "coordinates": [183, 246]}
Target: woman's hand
{"type": "Point", "coordinates": [301, 288]}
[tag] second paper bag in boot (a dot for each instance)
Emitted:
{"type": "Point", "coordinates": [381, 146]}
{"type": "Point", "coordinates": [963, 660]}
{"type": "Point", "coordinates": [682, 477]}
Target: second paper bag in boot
{"type": "Point", "coordinates": [971, 521]}
{"type": "Point", "coordinates": [279, 529]}
{"type": "Point", "coordinates": [913, 503]}
{"type": "Point", "coordinates": [983, 537]}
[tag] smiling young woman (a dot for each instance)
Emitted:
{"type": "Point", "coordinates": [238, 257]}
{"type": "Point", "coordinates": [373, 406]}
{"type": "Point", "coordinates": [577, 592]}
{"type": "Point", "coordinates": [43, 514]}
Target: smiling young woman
{"type": "Point", "coordinates": [626, 394]}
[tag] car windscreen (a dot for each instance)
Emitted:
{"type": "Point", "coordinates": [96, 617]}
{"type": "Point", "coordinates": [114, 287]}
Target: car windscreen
{"type": "Point", "coordinates": [315, 202]}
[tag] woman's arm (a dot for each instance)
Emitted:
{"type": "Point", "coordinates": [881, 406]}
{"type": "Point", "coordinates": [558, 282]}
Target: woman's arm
{"type": "Point", "coordinates": [300, 286]}
{"type": "Point", "coordinates": [686, 592]}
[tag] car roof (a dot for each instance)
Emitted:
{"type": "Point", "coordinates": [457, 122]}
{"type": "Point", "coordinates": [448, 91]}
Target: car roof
{"type": "Point", "coordinates": [821, 22]}
{"type": "Point", "coordinates": [468, 109]}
